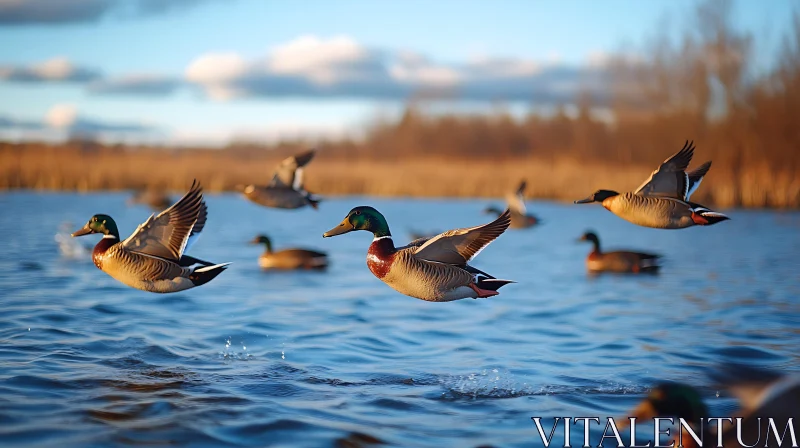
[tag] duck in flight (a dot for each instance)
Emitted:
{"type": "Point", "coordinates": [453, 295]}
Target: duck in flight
{"type": "Point", "coordinates": [152, 258]}
{"type": "Point", "coordinates": [662, 201]}
{"type": "Point", "coordinates": [434, 269]}
{"type": "Point", "coordinates": [285, 190]}
{"type": "Point", "coordinates": [520, 219]}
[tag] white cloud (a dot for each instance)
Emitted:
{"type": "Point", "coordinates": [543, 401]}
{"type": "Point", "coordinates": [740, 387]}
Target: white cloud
{"type": "Point", "coordinates": [61, 115]}
{"type": "Point", "coordinates": [216, 68]}
{"type": "Point", "coordinates": [340, 67]}
{"type": "Point", "coordinates": [51, 70]}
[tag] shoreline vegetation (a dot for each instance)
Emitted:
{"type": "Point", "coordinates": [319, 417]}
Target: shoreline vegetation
{"type": "Point", "coordinates": [707, 86]}
{"type": "Point", "coordinates": [82, 166]}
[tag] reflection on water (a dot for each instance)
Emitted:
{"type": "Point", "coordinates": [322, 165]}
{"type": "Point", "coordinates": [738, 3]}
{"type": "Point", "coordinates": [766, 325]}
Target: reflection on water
{"type": "Point", "coordinates": [337, 358]}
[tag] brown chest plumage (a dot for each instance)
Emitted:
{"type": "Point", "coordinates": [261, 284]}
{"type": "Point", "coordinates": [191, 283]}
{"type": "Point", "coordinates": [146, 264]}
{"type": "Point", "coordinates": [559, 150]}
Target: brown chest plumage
{"type": "Point", "coordinates": [100, 250]}
{"type": "Point", "coordinates": [380, 257]}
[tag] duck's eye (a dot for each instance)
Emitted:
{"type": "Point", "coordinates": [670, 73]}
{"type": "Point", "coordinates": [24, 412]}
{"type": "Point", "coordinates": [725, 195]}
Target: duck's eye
{"type": "Point", "coordinates": [358, 212]}
{"type": "Point", "coordinates": [94, 219]}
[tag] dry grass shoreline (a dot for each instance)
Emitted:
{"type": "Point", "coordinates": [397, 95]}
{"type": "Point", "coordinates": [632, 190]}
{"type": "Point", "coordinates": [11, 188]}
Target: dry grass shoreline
{"type": "Point", "coordinates": [70, 168]}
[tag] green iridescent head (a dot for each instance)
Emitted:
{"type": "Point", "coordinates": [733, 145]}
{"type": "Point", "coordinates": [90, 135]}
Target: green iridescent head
{"type": "Point", "coordinates": [263, 239]}
{"type": "Point", "coordinates": [99, 224]}
{"type": "Point", "coordinates": [672, 400]}
{"type": "Point", "coordinates": [361, 218]}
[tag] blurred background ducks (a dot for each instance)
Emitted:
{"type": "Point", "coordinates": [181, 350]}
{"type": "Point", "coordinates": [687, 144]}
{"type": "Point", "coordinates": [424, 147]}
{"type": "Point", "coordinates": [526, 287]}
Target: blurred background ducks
{"type": "Point", "coordinates": [293, 258]}
{"type": "Point", "coordinates": [155, 199]}
{"type": "Point", "coordinates": [433, 269]}
{"type": "Point", "coordinates": [620, 261]}
{"type": "Point", "coordinates": [152, 258]}
{"type": "Point", "coordinates": [762, 394]}
{"type": "Point", "coordinates": [520, 219]}
{"type": "Point", "coordinates": [285, 190]}
{"type": "Point", "coordinates": [662, 201]}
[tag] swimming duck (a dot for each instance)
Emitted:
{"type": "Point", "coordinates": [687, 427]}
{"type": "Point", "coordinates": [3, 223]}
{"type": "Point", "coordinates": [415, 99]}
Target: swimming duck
{"type": "Point", "coordinates": [520, 219]}
{"type": "Point", "coordinates": [152, 258]}
{"type": "Point", "coordinates": [156, 200]}
{"type": "Point", "coordinates": [433, 269]}
{"type": "Point", "coordinates": [286, 188]}
{"type": "Point", "coordinates": [662, 201]}
{"type": "Point", "coordinates": [770, 396]}
{"type": "Point", "coordinates": [618, 261]}
{"type": "Point", "coordinates": [289, 258]}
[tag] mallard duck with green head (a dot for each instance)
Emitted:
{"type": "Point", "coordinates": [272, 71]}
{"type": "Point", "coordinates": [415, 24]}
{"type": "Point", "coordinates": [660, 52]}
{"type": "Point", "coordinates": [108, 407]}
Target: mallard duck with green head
{"type": "Point", "coordinates": [662, 201]}
{"type": "Point", "coordinates": [433, 269]}
{"type": "Point", "coordinates": [762, 395]}
{"type": "Point", "coordinates": [286, 190]}
{"type": "Point", "coordinates": [293, 258]}
{"type": "Point", "coordinates": [152, 258]}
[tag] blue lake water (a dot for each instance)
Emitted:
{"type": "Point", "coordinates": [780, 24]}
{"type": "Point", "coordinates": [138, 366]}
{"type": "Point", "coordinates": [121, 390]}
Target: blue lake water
{"type": "Point", "coordinates": [337, 358]}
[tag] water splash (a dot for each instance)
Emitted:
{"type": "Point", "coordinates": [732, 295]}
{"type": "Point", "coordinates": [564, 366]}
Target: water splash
{"type": "Point", "coordinates": [232, 354]}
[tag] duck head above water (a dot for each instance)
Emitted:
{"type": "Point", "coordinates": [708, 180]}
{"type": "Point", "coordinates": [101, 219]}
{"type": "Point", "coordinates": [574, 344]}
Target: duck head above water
{"type": "Point", "coordinates": [262, 239]}
{"type": "Point", "coordinates": [361, 218]}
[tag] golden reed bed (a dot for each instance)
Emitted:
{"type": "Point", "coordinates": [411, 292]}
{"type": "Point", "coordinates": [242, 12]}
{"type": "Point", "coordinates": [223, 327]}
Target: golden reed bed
{"type": "Point", "coordinates": [71, 168]}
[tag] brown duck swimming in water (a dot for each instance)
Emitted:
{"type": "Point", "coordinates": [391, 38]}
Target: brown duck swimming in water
{"type": "Point", "coordinates": [761, 394]}
{"type": "Point", "coordinates": [293, 258]}
{"type": "Point", "coordinates": [620, 261]}
{"type": "Point", "coordinates": [433, 269]}
{"type": "Point", "coordinates": [662, 201]}
{"type": "Point", "coordinates": [286, 188]}
{"type": "Point", "coordinates": [520, 219]}
{"type": "Point", "coordinates": [156, 200]}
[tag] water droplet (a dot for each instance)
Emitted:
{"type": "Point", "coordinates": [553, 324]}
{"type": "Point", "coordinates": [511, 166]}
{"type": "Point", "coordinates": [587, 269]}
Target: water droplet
{"type": "Point", "coordinates": [283, 355]}
{"type": "Point", "coordinates": [717, 394]}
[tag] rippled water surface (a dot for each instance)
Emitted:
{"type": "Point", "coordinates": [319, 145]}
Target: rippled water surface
{"type": "Point", "coordinates": [337, 358]}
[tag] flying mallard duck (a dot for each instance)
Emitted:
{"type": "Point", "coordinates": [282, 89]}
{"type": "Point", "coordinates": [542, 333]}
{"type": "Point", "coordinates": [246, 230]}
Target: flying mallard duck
{"type": "Point", "coordinates": [662, 201]}
{"type": "Point", "coordinates": [152, 258]}
{"type": "Point", "coordinates": [762, 396]}
{"type": "Point", "coordinates": [156, 200]}
{"type": "Point", "coordinates": [433, 269]}
{"type": "Point", "coordinates": [520, 219]}
{"type": "Point", "coordinates": [289, 258]}
{"type": "Point", "coordinates": [286, 188]}
{"type": "Point", "coordinates": [618, 261]}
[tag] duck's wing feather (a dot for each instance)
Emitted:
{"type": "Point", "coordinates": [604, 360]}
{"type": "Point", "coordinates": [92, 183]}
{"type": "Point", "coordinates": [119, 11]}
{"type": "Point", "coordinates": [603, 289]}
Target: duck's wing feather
{"type": "Point", "coordinates": [516, 201]}
{"type": "Point", "coordinates": [289, 173]}
{"type": "Point", "coordinates": [695, 177]}
{"type": "Point", "coordinates": [670, 179]}
{"type": "Point", "coordinates": [462, 245]}
{"type": "Point", "coordinates": [165, 235]}
{"type": "Point", "coordinates": [198, 226]}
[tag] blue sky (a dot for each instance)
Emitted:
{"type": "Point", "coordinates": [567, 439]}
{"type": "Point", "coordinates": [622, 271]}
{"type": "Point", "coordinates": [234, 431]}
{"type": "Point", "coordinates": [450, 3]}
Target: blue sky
{"type": "Point", "coordinates": [206, 71]}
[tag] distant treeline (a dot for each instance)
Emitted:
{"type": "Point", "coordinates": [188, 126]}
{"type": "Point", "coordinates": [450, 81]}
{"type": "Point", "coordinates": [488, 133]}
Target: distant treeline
{"type": "Point", "coordinates": [702, 88]}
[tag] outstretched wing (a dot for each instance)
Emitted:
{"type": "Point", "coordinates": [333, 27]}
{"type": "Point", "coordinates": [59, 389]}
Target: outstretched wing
{"type": "Point", "coordinates": [198, 226]}
{"type": "Point", "coordinates": [462, 245]}
{"type": "Point", "coordinates": [290, 172]}
{"type": "Point", "coordinates": [166, 235]}
{"type": "Point", "coordinates": [670, 179]}
{"type": "Point", "coordinates": [516, 201]}
{"type": "Point", "coordinates": [695, 177]}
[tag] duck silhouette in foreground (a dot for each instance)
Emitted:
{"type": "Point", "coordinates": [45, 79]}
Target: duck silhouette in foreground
{"type": "Point", "coordinates": [762, 395]}
{"type": "Point", "coordinates": [520, 219]}
{"type": "Point", "coordinates": [620, 261]}
{"type": "Point", "coordinates": [293, 258]}
{"type": "Point", "coordinates": [433, 269]}
{"type": "Point", "coordinates": [152, 258]}
{"type": "Point", "coordinates": [286, 188]}
{"type": "Point", "coordinates": [662, 201]}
